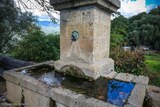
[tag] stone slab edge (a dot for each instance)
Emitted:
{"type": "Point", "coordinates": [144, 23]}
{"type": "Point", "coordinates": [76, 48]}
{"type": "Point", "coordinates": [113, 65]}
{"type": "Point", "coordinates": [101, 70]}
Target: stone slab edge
{"type": "Point", "coordinates": [137, 96]}
{"type": "Point", "coordinates": [13, 76]}
{"type": "Point", "coordinates": [94, 70]}
{"type": "Point", "coordinates": [111, 5]}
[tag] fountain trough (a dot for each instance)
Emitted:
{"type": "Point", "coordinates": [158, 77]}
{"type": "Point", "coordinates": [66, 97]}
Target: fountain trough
{"type": "Point", "coordinates": [41, 85]}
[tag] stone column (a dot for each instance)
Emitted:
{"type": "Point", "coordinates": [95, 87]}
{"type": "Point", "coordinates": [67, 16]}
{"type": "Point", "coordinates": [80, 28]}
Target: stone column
{"type": "Point", "coordinates": [85, 35]}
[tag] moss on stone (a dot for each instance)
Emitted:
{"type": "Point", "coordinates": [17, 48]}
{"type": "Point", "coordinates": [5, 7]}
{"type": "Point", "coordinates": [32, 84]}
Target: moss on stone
{"type": "Point", "coordinates": [74, 71]}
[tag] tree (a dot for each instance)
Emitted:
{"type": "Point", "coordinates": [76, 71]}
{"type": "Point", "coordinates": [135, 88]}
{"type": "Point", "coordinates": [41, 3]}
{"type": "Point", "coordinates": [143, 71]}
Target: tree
{"type": "Point", "coordinates": [144, 29]}
{"type": "Point", "coordinates": [13, 23]}
{"type": "Point", "coordinates": [119, 30]}
{"type": "Point", "coordinates": [43, 5]}
{"type": "Point", "coordinates": [38, 47]}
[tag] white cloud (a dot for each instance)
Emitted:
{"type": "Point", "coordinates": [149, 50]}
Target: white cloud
{"type": "Point", "coordinates": [130, 8]}
{"type": "Point", "coordinates": [50, 29]}
{"type": "Point", "coordinates": [43, 16]}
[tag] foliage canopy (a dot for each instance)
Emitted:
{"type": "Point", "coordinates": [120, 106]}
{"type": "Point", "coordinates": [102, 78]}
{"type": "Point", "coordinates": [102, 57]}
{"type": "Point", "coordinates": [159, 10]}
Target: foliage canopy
{"type": "Point", "coordinates": [140, 30]}
{"type": "Point", "coordinates": [38, 47]}
{"type": "Point", "coordinates": [13, 24]}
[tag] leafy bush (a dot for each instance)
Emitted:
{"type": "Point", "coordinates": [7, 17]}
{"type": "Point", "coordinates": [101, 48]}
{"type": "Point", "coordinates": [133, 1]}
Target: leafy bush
{"type": "Point", "coordinates": [37, 46]}
{"type": "Point", "coordinates": [154, 78]}
{"type": "Point", "coordinates": [128, 62]}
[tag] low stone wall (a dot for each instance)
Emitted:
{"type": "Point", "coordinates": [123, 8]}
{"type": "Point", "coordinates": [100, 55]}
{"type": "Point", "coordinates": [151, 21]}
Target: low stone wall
{"type": "Point", "coordinates": [22, 89]}
{"type": "Point", "coordinates": [7, 63]}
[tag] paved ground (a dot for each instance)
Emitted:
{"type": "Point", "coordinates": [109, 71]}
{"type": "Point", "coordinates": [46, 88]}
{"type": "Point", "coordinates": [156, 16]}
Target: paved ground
{"type": "Point", "coordinates": [152, 97]}
{"type": "Point", "coordinates": [2, 91]}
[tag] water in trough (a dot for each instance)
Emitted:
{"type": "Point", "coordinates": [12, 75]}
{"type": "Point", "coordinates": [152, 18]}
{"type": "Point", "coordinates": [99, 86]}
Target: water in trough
{"type": "Point", "coordinates": [111, 91]}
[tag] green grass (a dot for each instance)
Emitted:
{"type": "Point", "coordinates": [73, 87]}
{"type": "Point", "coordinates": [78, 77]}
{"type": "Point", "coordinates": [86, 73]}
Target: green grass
{"type": "Point", "coordinates": [153, 65]}
{"type": "Point", "coordinates": [152, 57]}
{"type": "Point", "coordinates": [152, 62]}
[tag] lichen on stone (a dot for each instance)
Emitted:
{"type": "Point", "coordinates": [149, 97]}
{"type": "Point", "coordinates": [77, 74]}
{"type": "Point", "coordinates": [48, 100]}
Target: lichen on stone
{"type": "Point", "coordinates": [74, 71]}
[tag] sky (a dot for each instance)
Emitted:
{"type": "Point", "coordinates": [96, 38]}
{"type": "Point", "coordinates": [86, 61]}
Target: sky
{"type": "Point", "coordinates": [133, 7]}
{"type": "Point", "coordinates": [128, 9]}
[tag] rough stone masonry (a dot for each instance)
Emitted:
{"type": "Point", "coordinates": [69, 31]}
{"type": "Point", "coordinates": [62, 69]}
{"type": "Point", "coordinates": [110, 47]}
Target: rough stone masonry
{"type": "Point", "coordinates": [85, 35]}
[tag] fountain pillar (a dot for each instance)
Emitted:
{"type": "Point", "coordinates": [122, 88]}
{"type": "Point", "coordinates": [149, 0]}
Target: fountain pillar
{"type": "Point", "coordinates": [85, 35]}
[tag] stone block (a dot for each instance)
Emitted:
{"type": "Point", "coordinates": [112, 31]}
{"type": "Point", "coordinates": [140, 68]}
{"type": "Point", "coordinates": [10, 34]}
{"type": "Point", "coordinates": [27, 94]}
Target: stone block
{"type": "Point", "coordinates": [88, 14]}
{"type": "Point", "coordinates": [82, 49]}
{"type": "Point", "coordinates": [79, 27]}
{"type": "Point", "coordinates": [33, 99]}
{"type": "Point", "coordinates": [94, 70]}
{"type": "Point", "coordinates": [152, 98]}
{"type": "Point", "coordinates": [35, 86]}
{"type": "Point", "coordinates": [101, 49]}
{"type": "Point", "coordinates": [65, 44]}
{"type": "Point", "coordinates": [65, 16]}
{"type": "Point", "coordinates": [89, 102]}
{"type": "Point", "coordinates": [70, 27]}
{"type": "Point", "coordinates": [104, 104]}
{"type": "Point", "coordinates": [107, 5]}
{"type": "Point", "coordinates": [86, 46]}
{"type": "Point", "coordinates": [89, 30]}
{"type": "Point", "coordinates": [99, 56]}
{"type": "Point", "coordinates": [63, 29]}
{"type": "Point", "coordinates": [12, 76]}
{"type": "Point", "coordinates": [60, 105]}
{"type": "Point", "coordinates": [64, 96]}
{"type": "Point", "coordinates": [102, 30]}
{"type": "Point", "coordinates": [15, 75]}
{"type": "Point", "coordinates": [137, 96]}
{"type": "Point", "coordinates": [92, 102]}
{"type": "Point", "coordinates": [110, 75]}
{"type": "Point", "coordinates": [14, 92]}
{"type": "Point", "coordinates": [124, 77]}
{"type": "Point", "coordinates": [141, 79]}
{"type": "Point", "coordinates": [71, 15]}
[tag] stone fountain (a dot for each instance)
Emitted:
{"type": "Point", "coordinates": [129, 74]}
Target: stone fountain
{"type": "Point", "coordinates": [85, 35]}
{"type": "Point", "coordinates": [84, 76]}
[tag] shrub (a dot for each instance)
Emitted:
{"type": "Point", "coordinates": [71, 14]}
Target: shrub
{"type": "Point", "coordinates": [38, 47]}
{"type": "Point", "coordinates": [128, 61]}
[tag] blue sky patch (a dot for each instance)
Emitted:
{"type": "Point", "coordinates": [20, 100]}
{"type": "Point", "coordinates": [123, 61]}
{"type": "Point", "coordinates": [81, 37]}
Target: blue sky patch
{"type": "Point", "coordinates": [156, 2]}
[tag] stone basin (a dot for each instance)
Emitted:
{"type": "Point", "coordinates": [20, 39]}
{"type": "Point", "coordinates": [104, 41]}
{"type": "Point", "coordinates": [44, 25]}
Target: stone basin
{"type": "Point", "coordinates": [110, 90]}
